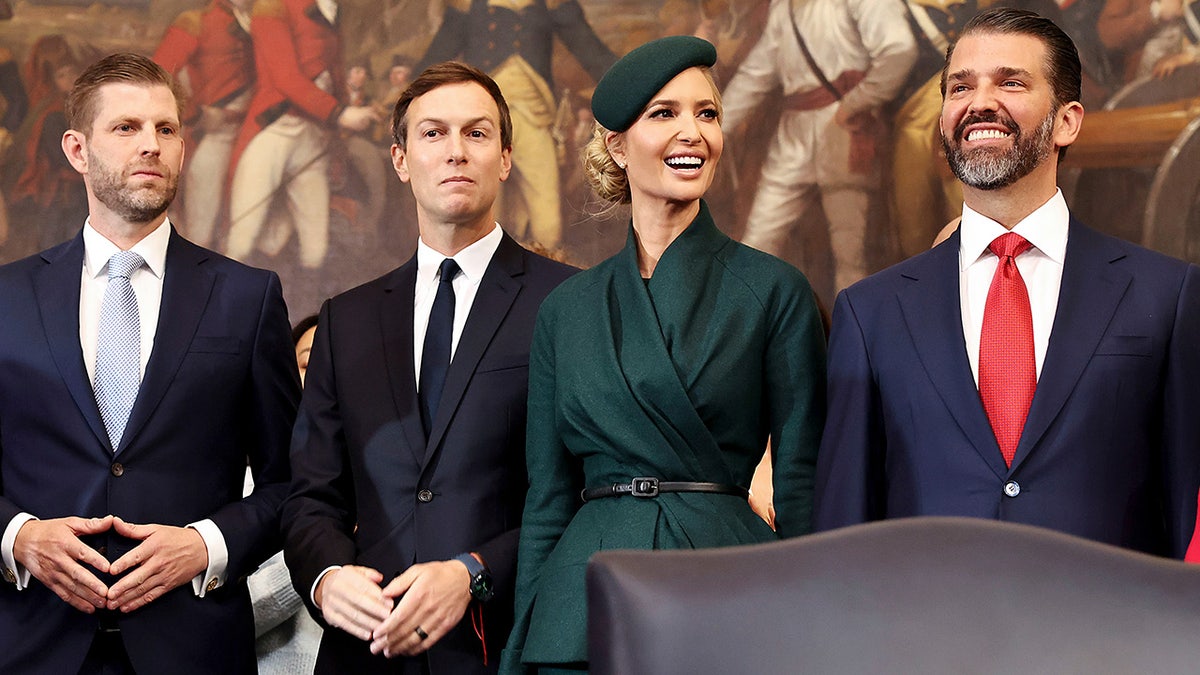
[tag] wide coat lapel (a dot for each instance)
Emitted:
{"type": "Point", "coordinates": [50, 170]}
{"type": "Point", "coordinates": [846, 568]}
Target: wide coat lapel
{"type": "Point", "coordinates": [932, 312]}
{"type": "Point", "coordinates": [645, 358]}
{"type": "Point", "coordinates": [186, 289]}
{"type": "Point", "coordinates": [57, 288]}
{"type": "Point", "coordinates": [396, 322]}
{"type": "Point", "coordinates": [1092, 288]}
{"type": "Point", "coordinates": [497, 291]}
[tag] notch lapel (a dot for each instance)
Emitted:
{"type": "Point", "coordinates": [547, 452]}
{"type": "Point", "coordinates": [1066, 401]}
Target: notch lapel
{"type": "Point", "coordinates": [932, 311]}
{"type": "Point", "coordinates": [186, 290]}
{"type": "Point", "coordinates": [57, 289]}
{"type": "Point", "coordinates": [497, 291]}
{"type": "Point", "coordinates": [396, 322]}
{"type": "Point", "coordinates": [1091, 290]}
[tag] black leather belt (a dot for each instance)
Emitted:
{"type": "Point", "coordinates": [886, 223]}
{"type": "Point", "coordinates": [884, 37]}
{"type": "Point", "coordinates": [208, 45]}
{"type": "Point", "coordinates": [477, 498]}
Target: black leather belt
{"type": "Point", "coordinates": [652, 487]}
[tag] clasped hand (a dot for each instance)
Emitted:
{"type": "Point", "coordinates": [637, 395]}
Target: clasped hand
{"type": "Point", "coordinates": [54, 554]}
{"type": "Point", "coordinates": [431, 596]}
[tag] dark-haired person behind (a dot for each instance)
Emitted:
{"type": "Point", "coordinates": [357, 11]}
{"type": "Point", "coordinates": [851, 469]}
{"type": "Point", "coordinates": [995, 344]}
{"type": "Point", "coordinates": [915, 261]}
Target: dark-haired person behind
{"type": "Point", "coordinates": [657, 376]}
{"type": "Point", "coordinates": [409, 450]}
{"type": "Point", "coordinates": [140, 373]}
{"type": "Point", "coordinates": [1028, 369]}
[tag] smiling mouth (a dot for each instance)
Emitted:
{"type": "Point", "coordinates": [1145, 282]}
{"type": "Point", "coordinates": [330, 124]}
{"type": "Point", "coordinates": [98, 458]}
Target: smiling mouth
{"type": "Point", "coordinates": [685, 163]}
{"type": "Point", "coordinates": [986, 134]}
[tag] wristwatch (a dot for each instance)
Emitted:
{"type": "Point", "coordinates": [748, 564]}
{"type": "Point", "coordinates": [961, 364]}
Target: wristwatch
{"type": "Point", "coordinates": [481, 578]}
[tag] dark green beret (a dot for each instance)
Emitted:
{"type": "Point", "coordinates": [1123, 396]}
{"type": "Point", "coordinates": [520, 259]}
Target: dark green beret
{"type": "Point", "coordinates": [636, 77]}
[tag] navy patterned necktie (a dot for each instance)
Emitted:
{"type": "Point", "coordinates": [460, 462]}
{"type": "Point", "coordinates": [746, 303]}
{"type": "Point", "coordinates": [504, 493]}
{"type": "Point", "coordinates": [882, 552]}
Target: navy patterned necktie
{"type": "Point", "coordinates": [435, 354]}
{"type": "Point", "coordinates": [118, 347]}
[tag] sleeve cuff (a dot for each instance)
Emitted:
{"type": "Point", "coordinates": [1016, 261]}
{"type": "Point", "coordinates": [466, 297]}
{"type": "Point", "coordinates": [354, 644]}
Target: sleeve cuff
{"type": "Point", "coordinates": [14, 573]}
{"type": "Point", "coordinates": [312, 592]}
{"type": "Point", "coordinates": [218, 558]}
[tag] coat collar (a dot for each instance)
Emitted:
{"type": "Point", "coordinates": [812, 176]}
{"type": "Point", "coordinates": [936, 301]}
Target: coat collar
{"type": "Point", "coordinates": [1092, 288]}
{"type": "Point", "coordinates": [498, 289]}
{"type": "Point", "coordinates": [186, 288]}
{"type": "Point", "coordinates": [931, 306]}
{"type": "Point", "coordinates": [57, 287]}
{"type": "Point", "coordinates": [501, 283]}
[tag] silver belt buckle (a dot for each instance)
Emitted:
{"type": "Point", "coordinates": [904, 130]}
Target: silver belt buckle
{"type": "Point", "coordinates": [644, 487]}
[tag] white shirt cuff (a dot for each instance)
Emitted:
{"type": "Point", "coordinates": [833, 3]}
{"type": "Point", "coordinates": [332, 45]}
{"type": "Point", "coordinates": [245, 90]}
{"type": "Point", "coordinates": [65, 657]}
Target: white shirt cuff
{"type": "Point", "coordinates": [312, 592]}
{"type": "Point", "coordinates": [218, 558]}
{"type": "Point", "coordinates": [14, 572]}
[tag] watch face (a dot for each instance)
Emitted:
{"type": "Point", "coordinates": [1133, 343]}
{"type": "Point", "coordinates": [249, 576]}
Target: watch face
{"type": "Point", "coordinates": [481, 587]}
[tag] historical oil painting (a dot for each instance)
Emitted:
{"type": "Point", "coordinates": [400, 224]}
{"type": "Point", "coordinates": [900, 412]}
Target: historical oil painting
{"type": "Point", "coordinates": [293, 187]}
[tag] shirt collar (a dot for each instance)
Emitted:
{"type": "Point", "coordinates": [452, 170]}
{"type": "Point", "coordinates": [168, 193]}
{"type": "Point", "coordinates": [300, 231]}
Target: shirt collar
{"type": "Point", "coordinates": [1045, 228]}
{"type": "Point", "coordinates": [98, 249]}
{"type": "Point", "coordinates": [472, 260]}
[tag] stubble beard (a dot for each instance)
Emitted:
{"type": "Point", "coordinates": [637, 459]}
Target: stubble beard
{"type": "Point", "coordinates": [992, 169]}
{"type": "Point", "coordinates": [134, 205]}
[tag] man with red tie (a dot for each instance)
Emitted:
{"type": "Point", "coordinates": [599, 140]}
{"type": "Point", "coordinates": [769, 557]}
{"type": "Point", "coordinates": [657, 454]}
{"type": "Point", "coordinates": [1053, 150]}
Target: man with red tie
{"type": "Point", "coordinates": [1028, 369]}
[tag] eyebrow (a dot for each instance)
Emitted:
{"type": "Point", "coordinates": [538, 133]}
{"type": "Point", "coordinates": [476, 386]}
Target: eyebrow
{"type": "Point", "coordinates": [1000, 72]}
{"type": "Point", "coordinates": [475, 121]}
{"type": "Point", "coordinates": [674, 103]}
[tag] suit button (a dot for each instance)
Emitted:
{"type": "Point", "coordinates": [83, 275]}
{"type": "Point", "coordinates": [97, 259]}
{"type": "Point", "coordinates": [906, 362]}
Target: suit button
{"type": "Point", "coordinates": [1012, 488]}
{"type": "Point", "coordinates": [117, 469]}
{"type": "Point", "coordinates": [424, 496]}
{"type": "Point", "coordinates": [102, 550]}
{"type": "Point", "coordinates": [10, 576]}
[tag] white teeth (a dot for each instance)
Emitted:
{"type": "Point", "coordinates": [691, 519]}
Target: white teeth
{"type": "Point", "coordinates": [986, 133]}
{"type": "Point", "coordinates": [684, 162]}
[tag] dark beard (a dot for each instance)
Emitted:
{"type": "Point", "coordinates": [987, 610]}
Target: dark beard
{"type": "Point", "coordinates": [133, 205]}
{"type": "Point", "coordinates": [988, 169]}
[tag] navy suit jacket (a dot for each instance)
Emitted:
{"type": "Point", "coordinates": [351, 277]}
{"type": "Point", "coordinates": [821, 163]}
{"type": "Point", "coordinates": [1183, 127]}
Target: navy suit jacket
{"type": "Point", "coordinates": [1111, 447]}
{"type": "Point", "coordinates": [369, 489]}
{"type": "Point", "coordinates": [221, 386]}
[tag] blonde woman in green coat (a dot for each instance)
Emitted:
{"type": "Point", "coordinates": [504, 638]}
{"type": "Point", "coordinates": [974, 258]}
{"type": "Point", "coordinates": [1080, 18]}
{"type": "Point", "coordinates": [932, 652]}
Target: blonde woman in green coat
{"type": "Point", "coordinates": [657, 376]}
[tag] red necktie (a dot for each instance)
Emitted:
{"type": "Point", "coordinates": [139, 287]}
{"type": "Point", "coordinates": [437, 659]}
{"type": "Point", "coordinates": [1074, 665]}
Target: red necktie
{"type": "Point", "coordinates": [1007, 373]}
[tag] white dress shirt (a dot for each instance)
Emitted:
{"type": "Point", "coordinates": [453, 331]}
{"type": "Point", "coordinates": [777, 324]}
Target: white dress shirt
{"type": "Point", "coordinates": [1041, 268]}
{"type": "Point", "coordinates": [473, 261]}
{"type": "Point", "coordinates": [147, 283]}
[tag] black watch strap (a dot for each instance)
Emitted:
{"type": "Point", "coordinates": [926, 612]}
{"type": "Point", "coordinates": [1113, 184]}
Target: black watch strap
{"type": "Point", "coordinates": [481, 577]}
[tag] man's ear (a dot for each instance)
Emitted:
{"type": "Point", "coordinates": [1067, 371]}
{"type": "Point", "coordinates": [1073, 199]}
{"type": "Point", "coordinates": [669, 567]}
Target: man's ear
{"type": "Point", "coordinates": [1068, 123]}
{"type": "Point", "coordinates": [505, 163]}
{"type": "Point", "coordinates": [74, 146]}
{"type": "Point", "coordinates": [400, 163]}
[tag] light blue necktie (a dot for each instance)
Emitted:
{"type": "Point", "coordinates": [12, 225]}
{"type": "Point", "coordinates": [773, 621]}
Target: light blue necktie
{"type": "Point", "coordinates": [119, 347]}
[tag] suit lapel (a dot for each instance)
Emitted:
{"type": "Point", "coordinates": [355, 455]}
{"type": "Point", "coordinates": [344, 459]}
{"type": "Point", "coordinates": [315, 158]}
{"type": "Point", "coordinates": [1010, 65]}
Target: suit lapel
{"type": "Point", "coordinates": [57, 288]}
{"type": "Point", "coordinates": [497, 291]}
{"type": "Point", "coordinates": [1091, 290]}
{"type": "Point", "coordinates": [396, 321]}
{"type": "Point", "coordinates": [932, 312]}
{"type": "Point", "coordinates": [186, 289]}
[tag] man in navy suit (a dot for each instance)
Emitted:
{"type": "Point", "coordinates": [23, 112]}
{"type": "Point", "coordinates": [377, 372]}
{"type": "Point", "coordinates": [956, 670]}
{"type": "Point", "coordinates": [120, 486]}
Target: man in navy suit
{"type": "Point", "coordinates": [132, 514]}
{"type": "Point", "coordinates": [402, 523]}
{"type": "Point", "coordinates": [1090, 425]}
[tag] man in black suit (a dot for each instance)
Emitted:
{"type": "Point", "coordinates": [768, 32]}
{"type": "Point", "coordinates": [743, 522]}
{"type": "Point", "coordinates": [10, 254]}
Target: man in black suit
{"type": "Point", "coordinates": [409, 450]}
{"type": "Point", "coordinates": [139, 374]}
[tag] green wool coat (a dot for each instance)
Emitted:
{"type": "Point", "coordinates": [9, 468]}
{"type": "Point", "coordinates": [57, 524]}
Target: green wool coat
{"type": "Point", "coordinates": [682, 378]}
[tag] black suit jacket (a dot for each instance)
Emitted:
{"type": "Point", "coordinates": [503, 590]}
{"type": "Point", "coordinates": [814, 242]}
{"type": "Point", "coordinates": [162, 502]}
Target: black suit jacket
{"type": "Point", "coordinates": [1111, 448]}
{"type": "Point", "coordinates": [221, 385]}
{"type": "Point", "coordinates": [369, 489]}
